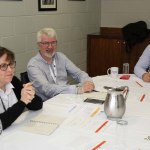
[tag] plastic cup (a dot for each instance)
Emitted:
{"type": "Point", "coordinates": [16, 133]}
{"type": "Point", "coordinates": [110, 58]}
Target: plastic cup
{"type": "Point", "coordinates": [125, 68]}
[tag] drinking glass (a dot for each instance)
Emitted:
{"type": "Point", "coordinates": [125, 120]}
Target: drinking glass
{"type": "Point", "coordinates": [125, 68]}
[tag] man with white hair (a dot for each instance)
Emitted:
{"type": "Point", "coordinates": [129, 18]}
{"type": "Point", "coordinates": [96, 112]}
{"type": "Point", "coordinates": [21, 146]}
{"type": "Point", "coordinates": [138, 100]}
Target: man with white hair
{"type": "Point", "coordinates": [50, 69]}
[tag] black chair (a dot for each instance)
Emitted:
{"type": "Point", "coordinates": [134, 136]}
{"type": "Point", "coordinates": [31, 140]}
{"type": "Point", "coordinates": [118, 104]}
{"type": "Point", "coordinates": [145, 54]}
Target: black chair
{"type": "Point", "coordinates": [24, 77]}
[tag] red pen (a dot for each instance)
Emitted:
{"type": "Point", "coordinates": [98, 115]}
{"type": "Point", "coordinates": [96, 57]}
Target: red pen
{"type": "Point", "coordinates": [142, 98]}
{"type": "Point", "coordinates": [97, 146]}
{"type": "Point", "coordinates": [101, 126]}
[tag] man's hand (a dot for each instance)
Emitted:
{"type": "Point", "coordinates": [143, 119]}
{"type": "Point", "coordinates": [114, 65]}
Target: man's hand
{"type": "Point", "coordinates": [88, 86]}
{"type": "Point", "coordinates": [146, 77]}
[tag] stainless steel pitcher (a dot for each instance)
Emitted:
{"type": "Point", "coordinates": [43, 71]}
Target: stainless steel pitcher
{"type": "Point", "coordinates": [115, 102]}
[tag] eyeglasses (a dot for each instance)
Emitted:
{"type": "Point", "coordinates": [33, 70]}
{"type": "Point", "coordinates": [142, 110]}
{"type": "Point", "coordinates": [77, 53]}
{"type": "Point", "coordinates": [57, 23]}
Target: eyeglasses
{"type": "Point", "coordinates": [54, 43]}
{"type": "Point", "coordinates": [4, 67]}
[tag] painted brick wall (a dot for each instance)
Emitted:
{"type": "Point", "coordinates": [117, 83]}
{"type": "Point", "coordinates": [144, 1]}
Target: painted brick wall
{"type": "Point", "coordinates": [118, 13]}
{"type": "Point", "coordinates": [73, 20]}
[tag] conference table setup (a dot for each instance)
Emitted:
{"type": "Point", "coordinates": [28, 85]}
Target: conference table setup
{"type": "Point", "coordinates": [73, 122]}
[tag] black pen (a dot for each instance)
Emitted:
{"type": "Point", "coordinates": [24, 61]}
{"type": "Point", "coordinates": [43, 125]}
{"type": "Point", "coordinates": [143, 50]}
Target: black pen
{"type": "Point", "coordinates": [92, 91]}
{"type": "Point", "coordinates": [95, 91]}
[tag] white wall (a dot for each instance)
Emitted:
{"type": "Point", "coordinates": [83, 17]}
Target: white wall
{"type": "Point", "coordinates": [73, 20]}
{"type": "Point", "coordinates": [118, 13]}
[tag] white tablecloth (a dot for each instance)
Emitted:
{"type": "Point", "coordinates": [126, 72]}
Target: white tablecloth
{"type": "Point", "coordinates": [78, 130]}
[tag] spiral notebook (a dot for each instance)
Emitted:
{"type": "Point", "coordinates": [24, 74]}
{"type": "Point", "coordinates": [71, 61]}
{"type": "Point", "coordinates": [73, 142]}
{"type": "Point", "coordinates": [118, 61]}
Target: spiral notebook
{"type": "Point", "coordinates": [43, 124]}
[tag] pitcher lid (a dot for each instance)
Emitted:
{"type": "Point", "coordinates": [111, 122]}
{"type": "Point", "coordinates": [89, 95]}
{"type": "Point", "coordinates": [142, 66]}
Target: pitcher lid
{"type": "Point", "coordinates": [117, 89]}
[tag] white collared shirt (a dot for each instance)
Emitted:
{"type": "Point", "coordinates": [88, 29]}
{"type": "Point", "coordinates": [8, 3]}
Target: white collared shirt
{"type": "Point", "coordinates": [8, 97]}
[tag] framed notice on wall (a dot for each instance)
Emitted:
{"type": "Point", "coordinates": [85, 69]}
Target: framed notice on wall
{"type": "Point", "coordinates": [76, 0]}
{"type": "Point", "coordinates": [47, 5]}
{"type": "Point", "coordinates": [11, 0]}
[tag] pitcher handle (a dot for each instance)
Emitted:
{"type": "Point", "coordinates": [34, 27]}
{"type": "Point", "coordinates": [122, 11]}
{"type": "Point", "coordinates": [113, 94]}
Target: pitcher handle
{"type": "Point", "coordinates": [126, 91]}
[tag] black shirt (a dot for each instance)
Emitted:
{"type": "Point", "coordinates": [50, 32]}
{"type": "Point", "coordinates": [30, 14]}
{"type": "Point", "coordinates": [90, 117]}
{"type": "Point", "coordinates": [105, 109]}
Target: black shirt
{"type": "Point", "coordinates": [13, 112]}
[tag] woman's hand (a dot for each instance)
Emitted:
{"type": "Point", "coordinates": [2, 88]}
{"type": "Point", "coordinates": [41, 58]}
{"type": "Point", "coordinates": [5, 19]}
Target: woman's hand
{"type": "Point", "coordinates": [27, 93]}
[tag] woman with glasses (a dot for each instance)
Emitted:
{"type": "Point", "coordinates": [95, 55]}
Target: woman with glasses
{"type": "Point", "coordinates": [14, 96]}
{"type": "Point", "coordinates": [50, 69]}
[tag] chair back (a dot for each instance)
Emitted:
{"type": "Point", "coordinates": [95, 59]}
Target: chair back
{"type": "Point", "coordinates": [24, 77]}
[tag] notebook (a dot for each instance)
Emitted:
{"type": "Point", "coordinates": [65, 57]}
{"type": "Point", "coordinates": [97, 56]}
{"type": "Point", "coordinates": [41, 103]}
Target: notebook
{"type": "Point", "coordinates": [43, 124]}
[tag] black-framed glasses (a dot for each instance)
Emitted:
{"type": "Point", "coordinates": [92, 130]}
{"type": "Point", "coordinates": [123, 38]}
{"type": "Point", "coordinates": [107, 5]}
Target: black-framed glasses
{"type": "Point", "coordinates": [4, 66]}
{"type": "Point", "coordinates": [53, 43]}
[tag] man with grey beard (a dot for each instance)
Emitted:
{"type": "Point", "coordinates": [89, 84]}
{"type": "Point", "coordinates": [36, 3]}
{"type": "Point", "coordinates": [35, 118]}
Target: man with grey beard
{"type": "Point", "coordinates": [50, 69]}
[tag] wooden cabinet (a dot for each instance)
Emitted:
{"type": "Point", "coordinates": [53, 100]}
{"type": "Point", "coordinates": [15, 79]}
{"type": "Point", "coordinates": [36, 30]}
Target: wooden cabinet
{"type": "Point", "coordinates": [106, 51]}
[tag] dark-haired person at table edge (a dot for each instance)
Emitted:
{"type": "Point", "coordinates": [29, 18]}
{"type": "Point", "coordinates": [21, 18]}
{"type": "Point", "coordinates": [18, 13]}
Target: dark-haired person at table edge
{"type": "Point", "coordinates": [142, 67]}
{"type": "Point", "coordinates": [14, 96]}
{"type": "Point", "coordinates": [50, 69]}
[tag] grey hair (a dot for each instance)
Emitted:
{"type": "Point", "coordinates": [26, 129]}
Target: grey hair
{"type": "Point", "coordinates": [46, 31]}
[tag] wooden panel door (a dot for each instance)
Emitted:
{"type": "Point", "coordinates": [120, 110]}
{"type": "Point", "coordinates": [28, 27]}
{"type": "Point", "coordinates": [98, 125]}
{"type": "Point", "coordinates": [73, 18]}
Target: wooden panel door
{"type": "Point", "coordinates": [102, 54]}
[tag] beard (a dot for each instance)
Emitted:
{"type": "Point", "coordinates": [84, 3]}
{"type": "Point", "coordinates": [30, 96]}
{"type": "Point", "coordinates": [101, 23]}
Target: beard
{"type": "Point", "coordinates": [49, 54]}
